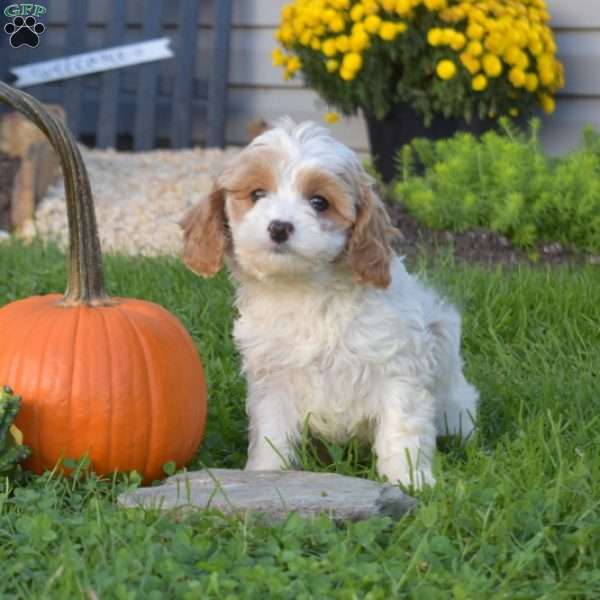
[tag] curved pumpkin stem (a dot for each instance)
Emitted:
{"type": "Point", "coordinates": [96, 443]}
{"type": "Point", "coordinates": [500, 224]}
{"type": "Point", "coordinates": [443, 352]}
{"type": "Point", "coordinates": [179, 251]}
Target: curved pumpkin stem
{"type": "Point", "coordinates": [86, 278]}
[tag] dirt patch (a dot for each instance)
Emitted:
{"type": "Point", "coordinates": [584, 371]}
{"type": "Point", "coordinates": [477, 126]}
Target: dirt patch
{"type": "Point", "coordinates": [476, 245]}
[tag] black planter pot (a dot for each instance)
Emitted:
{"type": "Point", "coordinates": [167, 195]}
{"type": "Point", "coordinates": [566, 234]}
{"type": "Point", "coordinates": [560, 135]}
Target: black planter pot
{"type": "Point", "coordinates": [402, 125]}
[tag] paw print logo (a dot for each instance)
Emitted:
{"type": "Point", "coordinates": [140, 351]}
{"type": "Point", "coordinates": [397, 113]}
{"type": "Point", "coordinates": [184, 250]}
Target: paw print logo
{"type": "Point", "coordinates": [24, 32]}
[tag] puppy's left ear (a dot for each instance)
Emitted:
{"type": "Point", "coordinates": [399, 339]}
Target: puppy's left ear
{"type": "Point", "coordinates": [205, 235]}
{"type": "Point", "coordinates": [370, 249]}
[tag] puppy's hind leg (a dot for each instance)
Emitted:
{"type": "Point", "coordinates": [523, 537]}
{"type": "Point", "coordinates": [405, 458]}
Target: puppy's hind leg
{"type": "Point", "coordinates": [457, 398]}
{"type": "Point", "coordinates": [457, 410]}
{"type": "Point", "coordinates": [405, 434]}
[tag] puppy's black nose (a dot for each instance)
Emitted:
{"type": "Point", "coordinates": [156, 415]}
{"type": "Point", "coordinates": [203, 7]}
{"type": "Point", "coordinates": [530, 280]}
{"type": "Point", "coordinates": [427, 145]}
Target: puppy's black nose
{"type": "Point", "coordinates": [280, 231]}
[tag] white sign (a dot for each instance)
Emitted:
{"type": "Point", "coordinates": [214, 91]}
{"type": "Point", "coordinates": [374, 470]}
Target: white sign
{"type": "Point", "coordinates": [92, 62]}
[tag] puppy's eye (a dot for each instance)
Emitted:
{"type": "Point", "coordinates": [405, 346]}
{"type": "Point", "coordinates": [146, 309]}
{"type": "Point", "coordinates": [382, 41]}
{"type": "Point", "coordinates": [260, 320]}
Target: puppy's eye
{"type": "Point", "coordinates": [256, 195]}
{"type": "Point", "coordinates": [319, 203]}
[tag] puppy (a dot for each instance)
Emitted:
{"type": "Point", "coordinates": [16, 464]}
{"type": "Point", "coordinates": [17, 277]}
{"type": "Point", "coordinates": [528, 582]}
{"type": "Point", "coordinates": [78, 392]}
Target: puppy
{"type": "Point", "coordinates": [332, 329]}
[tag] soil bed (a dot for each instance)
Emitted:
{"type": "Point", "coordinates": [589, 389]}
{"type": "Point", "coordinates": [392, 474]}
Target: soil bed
{"type": "Point", "coordinates": [476, 245]}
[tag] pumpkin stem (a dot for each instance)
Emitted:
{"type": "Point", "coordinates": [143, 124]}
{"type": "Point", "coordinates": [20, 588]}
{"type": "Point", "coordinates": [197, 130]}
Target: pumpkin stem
{"type": "Point", "coordinates": [86, 279]}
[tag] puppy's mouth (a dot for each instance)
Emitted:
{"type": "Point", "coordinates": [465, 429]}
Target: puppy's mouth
{"type": "Point", "coordinates": [281, 249]}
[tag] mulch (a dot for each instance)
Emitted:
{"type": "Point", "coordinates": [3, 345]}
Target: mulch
{"type": "Point", "coordinates": [478, 246]}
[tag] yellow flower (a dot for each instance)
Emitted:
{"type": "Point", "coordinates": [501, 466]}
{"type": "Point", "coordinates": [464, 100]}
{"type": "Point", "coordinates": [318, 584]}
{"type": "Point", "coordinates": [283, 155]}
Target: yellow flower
{"type": "Point", "coordinates": [470, 62]}
{"type": "Point", "coordinates": [547, 75]}
{"type": "Point", "coordinates": [388, 31]}
{"type": "Point", "coordinates": [550, 45]}
{"type": "Point", "coordinates": [315, 44]}
{"type": "Point", "coordinates": [517, 38]}
{"type": "Point", "coordinates": [435, 4]}
{"type": "Point", "coordinates": [357, 28]}
{"type": "Point", "coordinates": [475, 31]}
{"type": "Point", "coordinates": [517, 77]}
{"type": "Point", "coordinates": [511, 55]}
{"type": "Point", "coordinates": [447, 36]}
{"type": "Point", "coordinates": [545, 61]}
{"type": "Point", "coordinates": [454, 14]}
{"type": "Point", "coordinates": [531, 82]}
{"type": "Point", "coordinates": [337, 24]}
{"type": "Point", "coordinates": [298, 26]}
{"type": "Point", "coordinates": [403, 7]}
{"type": "Point", "coordinates": [547, 103]}
{"type": "Point", "coordinates": [477, 15]}
{"type": "Point", "coordinates": [479, 83]}
{"type": "Point", "coordinates": [331, 117]}
{"type": "Point", "coordinates": [287, 12]}
{"type": "Point", "coordinates": [458, 40]}
{"type": "Point", "coordinates": [352, 62]}
{"type": "Point", "coordinates": [293, 64]}
{"type": "Point", "coordinates": [340, 4]}
{"type": "Point", "coordinates": [329, 47]}
{"type": "Point", "coordinates": [474, 48]}
{"type": "Point", "coordinates": [328, 15]}
{"type": "Point", "coordinates": [286, 34]}
{"type": "Point", "coordinates": [359, 40]}
{"type": "Point", "coordinates": [372, 23]}
{"type": "Point", "coordinates": [495, 43]}
{"type": "Point", "coordinates": [314, 16]}
{"type": "Point", "coordinates": [371, 7]}
{"type": "Point", "coordinates": [305, 38]}
{"type": "Point", "coordinates": [434, 36]}
{"type": "Point", "coordinates": [388, 5]}
{"type": "Point", "coordinates": [357, 12]}
{"type": "Point", "coordinates": [536, 48]}
{"type": "Point", "coordinates": [277, 57]}
{"type": "Point", "coordinates": [492, 65]}
{"type": "Point", "coordinates": [560, 76]}
{"type": "Point", "coordinates": [522, 60]}
{"type": "Point", "coordinates": [342, 43]}
{"type": "Point", "coordinates": [445, 69]}
{"type": "Point", "coordinates": [332, 65]}
{"type": "Point", "coordinates": [347, 75]}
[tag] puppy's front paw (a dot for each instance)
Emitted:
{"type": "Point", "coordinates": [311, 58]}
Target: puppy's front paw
{"type": "Point", "coordinates": [415, 479]}
{"type": "Point", "coordinates": [269, 462]}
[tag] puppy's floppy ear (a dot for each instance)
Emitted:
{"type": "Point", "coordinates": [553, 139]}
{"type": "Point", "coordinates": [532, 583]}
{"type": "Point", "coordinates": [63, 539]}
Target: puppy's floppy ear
{"type": "Point", "coordinates": [370, 245]}
{"type": "Point", "coordinates": [204, 234]}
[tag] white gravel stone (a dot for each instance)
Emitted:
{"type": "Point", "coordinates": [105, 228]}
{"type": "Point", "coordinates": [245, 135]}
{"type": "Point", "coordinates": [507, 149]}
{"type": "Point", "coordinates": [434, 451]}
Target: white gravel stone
{"type": "Point", "coordinates": [139, 197]}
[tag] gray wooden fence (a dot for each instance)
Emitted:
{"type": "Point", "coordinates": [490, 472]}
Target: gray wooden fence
{"type": "Point", "coordinates": [158, 104]}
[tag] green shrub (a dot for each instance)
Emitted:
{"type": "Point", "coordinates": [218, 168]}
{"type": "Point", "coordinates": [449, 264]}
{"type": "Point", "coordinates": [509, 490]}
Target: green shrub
{"type": "Point", "coordinates": [505, 183]}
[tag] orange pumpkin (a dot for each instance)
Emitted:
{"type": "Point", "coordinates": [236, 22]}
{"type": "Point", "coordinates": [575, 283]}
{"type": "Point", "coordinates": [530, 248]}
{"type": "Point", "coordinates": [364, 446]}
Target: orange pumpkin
{"type": "Point", "coordinates": [117, 379]}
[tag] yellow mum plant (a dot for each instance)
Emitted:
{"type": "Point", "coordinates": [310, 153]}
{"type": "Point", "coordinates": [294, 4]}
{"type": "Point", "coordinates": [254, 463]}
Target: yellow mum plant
{"type": "Point", "coordinates": [455, 58]}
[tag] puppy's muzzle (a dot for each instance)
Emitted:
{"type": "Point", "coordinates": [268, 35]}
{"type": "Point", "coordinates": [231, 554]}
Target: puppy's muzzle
{"type": "Point", "coordinates": [280, 231]}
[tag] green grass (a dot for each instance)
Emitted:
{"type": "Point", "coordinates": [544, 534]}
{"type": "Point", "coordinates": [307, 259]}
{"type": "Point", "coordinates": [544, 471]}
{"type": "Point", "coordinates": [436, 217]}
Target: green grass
{"type": "Point", "coordinates": [514, 515]}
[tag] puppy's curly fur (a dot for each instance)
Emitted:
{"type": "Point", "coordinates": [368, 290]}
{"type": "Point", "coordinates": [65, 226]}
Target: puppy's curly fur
{"type": "Point", "coordinates": [332, 328]}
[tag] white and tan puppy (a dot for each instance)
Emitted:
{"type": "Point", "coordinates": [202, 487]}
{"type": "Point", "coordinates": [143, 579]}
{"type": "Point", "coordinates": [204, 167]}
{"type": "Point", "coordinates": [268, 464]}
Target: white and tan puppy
{"type": "Point", "coordinates": [332, 329]}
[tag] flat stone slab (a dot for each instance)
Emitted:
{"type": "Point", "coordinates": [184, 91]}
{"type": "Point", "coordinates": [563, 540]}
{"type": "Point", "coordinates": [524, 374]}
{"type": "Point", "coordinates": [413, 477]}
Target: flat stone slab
{"type": "Point", "coordinates": [274, 494]}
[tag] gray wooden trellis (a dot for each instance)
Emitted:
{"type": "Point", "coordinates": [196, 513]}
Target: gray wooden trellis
{"type": "Point", "coordinates": [153, 108]}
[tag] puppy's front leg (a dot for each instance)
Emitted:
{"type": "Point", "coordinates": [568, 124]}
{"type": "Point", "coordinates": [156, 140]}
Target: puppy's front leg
{"type": "Point", "coordinates": [405, 434]}
{"type": "Point", "coordinates": [274, 428]}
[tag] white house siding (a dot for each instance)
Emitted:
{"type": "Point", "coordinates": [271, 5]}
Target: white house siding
{"type": "Point", "coordinates": [257, 90]}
